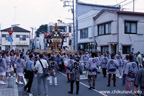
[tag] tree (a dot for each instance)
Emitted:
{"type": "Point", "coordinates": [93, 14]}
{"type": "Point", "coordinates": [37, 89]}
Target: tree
{"type": "Point", "coordinates": [42, 29]}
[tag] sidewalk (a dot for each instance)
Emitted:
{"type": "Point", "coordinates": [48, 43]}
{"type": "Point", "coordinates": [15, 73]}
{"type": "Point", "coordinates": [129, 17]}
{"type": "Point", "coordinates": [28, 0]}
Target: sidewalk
{"type": "Point", "coordinates": [5, 91]}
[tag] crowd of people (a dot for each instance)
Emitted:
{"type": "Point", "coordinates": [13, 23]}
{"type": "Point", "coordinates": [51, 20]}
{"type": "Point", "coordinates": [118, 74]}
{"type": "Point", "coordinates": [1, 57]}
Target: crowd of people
{"type": "Point", "coordinates": [16, 63]}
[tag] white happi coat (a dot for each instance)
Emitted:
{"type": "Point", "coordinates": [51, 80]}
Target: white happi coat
{"type": "Point", "coordinates": [92, 65]}
{"type": "Point", "coordinates": [104, 62]}
{"type": "Point", "coordinates": [112, 64]}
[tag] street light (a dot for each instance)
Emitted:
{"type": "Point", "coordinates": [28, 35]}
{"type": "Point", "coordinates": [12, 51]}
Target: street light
{"type": "Point", "coordinates": [13, 25]}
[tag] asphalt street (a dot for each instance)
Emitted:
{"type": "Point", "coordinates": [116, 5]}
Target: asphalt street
{"type": "Point", "coordinates": [63, 87]}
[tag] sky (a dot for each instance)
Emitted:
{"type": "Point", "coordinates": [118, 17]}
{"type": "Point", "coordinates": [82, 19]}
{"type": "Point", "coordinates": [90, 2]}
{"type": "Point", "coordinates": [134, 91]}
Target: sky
{"type": "Point", "coordinates": [33, 13]}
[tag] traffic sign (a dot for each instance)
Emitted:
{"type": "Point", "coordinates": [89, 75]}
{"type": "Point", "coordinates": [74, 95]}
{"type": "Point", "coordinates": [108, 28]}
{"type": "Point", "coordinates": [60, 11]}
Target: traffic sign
{"type": "Point", "coordinates": [10, 39]}
{"type": "Point", "coordinates": [10, 32]}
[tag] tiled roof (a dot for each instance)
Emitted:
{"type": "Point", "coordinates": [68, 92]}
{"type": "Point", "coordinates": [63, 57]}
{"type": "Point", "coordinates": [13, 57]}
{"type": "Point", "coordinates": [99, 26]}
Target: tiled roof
{"type": "Point", "coordinates": [15, 29]}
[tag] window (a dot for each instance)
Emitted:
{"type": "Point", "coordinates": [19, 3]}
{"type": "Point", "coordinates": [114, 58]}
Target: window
{"type": "Point", "coordinates": [70, 29]}
{"type": "Point", "coordinates": [62, 29]}
{"type": "Point", "coordinates": [104, 48]}
{"type": "Point", "coordinates": [104, 29]}
{"type": "Point", "coordinates": [130, 27]}
{"type": "Point", "coordinates": [84, 33]}
{"type": "Point", "coordinates": [22, 37]}
{"type": "Point", "coordinates": [17, 36]}
{"type": "Point", "coordinates": [3, 35]}
{"type": "Point", "coordinates": [51, 28]}
{"type": "Point", "coordinates": [126, 49]}
{"type": "Point", "coordinates": [7, 36]}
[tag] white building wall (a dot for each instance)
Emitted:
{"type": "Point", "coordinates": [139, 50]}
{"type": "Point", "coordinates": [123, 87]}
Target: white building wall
{"type": "Point", "coordinates": [106, 40]}
{"type": "Point", "coordinates": [17, 43]}
{"type": "Point", "coordinates": [86, 21]}
{"type": "Point", "coordinates": [135, 40]}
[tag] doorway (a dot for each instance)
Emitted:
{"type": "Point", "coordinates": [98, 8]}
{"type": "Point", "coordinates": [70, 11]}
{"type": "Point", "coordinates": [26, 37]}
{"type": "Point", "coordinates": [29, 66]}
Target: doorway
{"type": "Point", "coordinates": [113, 48]}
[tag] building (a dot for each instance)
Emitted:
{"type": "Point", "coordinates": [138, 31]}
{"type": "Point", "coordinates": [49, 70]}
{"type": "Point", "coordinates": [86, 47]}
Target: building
{"type": "Point", "coordinates": [20, 36]}
{"type": "Point", "coordinates": [85, 24]}
{"type": "Point", "coordinates": [119, 31]}
{"type": "Point", "coordinates": [65, 29]}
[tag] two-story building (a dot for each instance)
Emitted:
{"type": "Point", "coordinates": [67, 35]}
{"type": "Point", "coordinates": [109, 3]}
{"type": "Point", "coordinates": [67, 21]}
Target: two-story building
{"type": "Point", "coordinates": [119, 31]}
{"type": "Point", "coordinates": [85, 23]}
{"type": "Point", "coordinates": [20, 36]}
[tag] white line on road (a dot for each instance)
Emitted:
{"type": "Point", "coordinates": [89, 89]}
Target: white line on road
{"type": "Point", "coordinates": [86, 86]}
{"type": "Point", "coordinates": [25, 82]}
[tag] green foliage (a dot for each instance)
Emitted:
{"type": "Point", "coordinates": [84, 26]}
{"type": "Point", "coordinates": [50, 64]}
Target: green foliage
{"type": "Point", "coordinates": [41, 29]}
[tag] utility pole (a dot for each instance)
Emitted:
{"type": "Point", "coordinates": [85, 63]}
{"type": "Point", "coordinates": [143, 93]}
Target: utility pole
{"type": "Point", "coordinates": [133, 5]}
{"type": "Point", "coordinates": [67, 4]}
{"type": "Point", "coordinates": [32, 37]}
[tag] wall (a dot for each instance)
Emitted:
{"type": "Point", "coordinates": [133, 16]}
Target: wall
{"type": "Point", "coordinates": [106, 39]}
{"type": "Point", "coordinates": [136, 40]}
{"type": "Point", "coordinates": [16, 41]}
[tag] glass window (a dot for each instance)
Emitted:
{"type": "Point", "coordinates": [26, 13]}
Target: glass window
{"type": "Point", "coordinates": [133, 27]}
{"type": "Point", "coordinates": [7, 36]}
{"type": "Point", "coordinates": [70, 29]}
{"type": "Point", "coordinates": [51, 28]}
{"type": "Point", "coordinates": [62, 29]}
{"type": "Point", "coordinates": [22, 37]}
{"type": "Point", "coordinates": [84, 33]}
{"type": "Point", "coordinates": [126, 49]}
{"type": "Point", "coordinates": [104, 29]}
{"type": "Point", "coordinates": [130, 27]}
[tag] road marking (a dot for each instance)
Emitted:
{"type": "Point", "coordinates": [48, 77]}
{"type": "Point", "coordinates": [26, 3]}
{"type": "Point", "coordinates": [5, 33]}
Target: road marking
{"type": "Point", "coordinates": [25, 82]}
{"type": "Point", "coordinates": [86, 85]}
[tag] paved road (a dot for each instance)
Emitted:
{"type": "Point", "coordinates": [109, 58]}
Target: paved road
{"type": "Point", "coordinates": [62, 88]}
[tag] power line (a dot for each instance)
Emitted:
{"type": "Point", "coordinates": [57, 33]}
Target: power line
{"type": "Point", "coordinates": [129, 2]}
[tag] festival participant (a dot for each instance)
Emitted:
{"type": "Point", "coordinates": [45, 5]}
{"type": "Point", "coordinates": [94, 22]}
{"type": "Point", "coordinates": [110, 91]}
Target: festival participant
{"type": "Point", "coordinates": [52, 69]}
{"type": "Point", "coordinates": [118, 54]}
{"type": "Point", "coordinates": [111, 67]}
{"type": "Point", "coordinates": [59, 62]}
{"type": "Point", "coordinates": [139, 81]}
{"type": "Point", "coordinates": [26, 57]}
{"type": "Point", "coordinates": [98, 63]}
{"type": "Point", "coordinates": [75, 71]}
{"type": "Point", "coordinates": [70, 62]}
{"type": "Point", "coordinates": [84, 59]}
{"type": "Point", "coordinates": [30, 70]}
{"type": "Point", "coordinates": [3, 67]}
{"type": "Point", "coordinates": [139, 60]}
{"type": "Point", "coordinates": [103, 64]}
{"type": "Point", "coordinates": [40, 75]}
{"type": "Point", "coordinates": [9, 72]}
{"type": "Point", "coordinates": [130, 71]}
{"type": "Point", "coordinates": [12, 58]}
{"type": "Point", "coordinates": [92, 70]}
{"type": "Point", "coordinates": [20, 65]}
{"type": "Point", "coordinates": [108, 55]}
{"type": "Point", "coordinates": [120, 68]}
{"type": "Point", "coordinates": [125, 63]}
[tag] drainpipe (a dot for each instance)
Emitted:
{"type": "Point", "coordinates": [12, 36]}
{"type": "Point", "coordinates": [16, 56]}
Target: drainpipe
{"type": "Point", "coordinates": [118, 32]}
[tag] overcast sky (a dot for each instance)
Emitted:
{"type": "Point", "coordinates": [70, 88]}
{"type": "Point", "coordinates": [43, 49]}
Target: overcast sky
{"type": "Point", "coordinates": [33, 13]}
